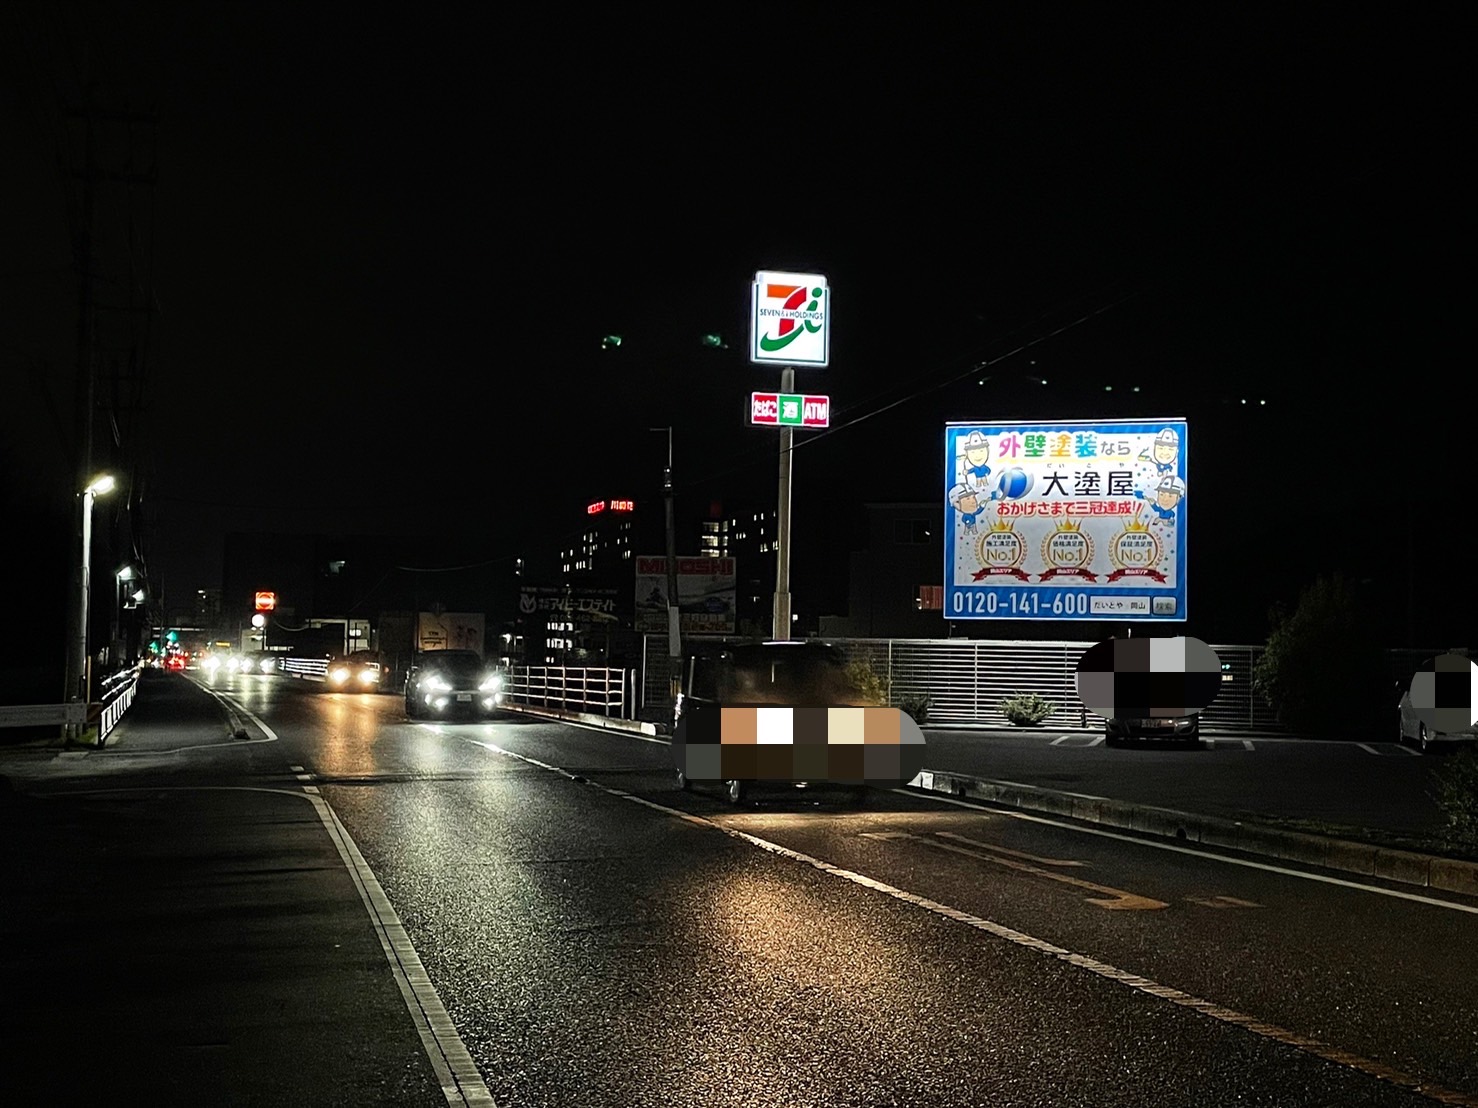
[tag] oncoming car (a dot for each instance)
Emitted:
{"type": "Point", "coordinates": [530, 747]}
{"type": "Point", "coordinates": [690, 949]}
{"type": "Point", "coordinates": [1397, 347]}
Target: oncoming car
{"type": "Point", "coordinates": [360, 671]}
{"type": "Point", "coordinates": [449, 683]}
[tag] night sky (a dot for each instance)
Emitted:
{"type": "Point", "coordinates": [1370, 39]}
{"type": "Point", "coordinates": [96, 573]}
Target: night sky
{"type": "Point", "coordinates": [382, 254]}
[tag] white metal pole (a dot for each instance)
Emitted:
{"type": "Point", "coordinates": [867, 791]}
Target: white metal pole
{"type": "Point", "coordinates": [81, 667]}
{"type": "Point", "coordinates": [782, 538]}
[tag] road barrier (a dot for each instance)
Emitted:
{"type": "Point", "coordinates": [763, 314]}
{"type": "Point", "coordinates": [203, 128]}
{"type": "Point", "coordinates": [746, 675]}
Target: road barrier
{"type": "Point", "coordinates": [118, 694]}
{"type": "Point", "coordinates": [594, 689]}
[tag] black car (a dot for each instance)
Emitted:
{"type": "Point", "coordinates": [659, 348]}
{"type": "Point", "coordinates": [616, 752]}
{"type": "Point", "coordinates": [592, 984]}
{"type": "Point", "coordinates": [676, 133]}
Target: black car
{"type": "Point", "coordinates": [1185, 730]}
{"type": "Point", "coordinates": [781, 673]}
{"type": "Point", "coordinates": [447, 684]}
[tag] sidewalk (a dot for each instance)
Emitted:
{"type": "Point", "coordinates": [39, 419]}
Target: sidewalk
{"type": "Point", "coordinates": [171, 940]}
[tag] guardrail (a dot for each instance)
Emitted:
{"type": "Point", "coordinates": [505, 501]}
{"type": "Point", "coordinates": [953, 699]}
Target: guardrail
{"type": "Point", "coordinates": [118, 693]}
{"type": "Point", "coordinates": [116, 690]}
{"type": "Point", "coordinates": [573, 688]}
{"type": "Point", "coordinates": [305, 667]}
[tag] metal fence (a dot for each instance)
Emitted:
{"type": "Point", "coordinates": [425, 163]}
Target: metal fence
{"type": "Point", "coordinates": [118, 693]}
{"type": "Point", "coordinates": [966, 679]}
{"type": "Point", "coordinates": [304, 667]}
{"type": "Point", "coordinates": [573, 688]}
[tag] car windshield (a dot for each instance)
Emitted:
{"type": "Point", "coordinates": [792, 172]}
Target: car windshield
{"type": "Point", "coordinates": [779, 673]}
{"type": "Point", "coordinates": [457, 665]}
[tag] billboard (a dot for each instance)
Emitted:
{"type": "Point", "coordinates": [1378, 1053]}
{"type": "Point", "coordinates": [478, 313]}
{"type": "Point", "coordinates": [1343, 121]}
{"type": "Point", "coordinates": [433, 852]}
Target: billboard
{"type": "Point", "coordinates": [1068, 520]}
{"type": "Point", "coordinates": [707, 592]}
{"type": "Point", "coordinates": [790, 319]}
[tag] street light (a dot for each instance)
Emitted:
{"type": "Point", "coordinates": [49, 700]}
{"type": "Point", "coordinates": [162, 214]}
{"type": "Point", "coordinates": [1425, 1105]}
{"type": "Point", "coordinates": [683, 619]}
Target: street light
{"type": "Point", "coordinates": [79, 667]}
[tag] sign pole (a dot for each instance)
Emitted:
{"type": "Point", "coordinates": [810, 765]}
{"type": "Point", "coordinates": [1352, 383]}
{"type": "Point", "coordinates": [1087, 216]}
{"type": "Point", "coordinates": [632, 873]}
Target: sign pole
{"type": "Point", "coordinates": [674, 615]}
{"type": "Point", "coordinates": [782, 537]}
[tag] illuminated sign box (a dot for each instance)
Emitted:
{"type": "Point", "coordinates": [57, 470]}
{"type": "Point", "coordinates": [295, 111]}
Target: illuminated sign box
{"type": "Point", "coordinates": [266, 601]}
{"type": "Point", "coordinates": [790, 319]}
{"type": "Point", "coordinates": [613, 505]}
{"type": "Point", "coordinates": [789, 410]}
{"type": "Point", "coordinates": [1067, 520]}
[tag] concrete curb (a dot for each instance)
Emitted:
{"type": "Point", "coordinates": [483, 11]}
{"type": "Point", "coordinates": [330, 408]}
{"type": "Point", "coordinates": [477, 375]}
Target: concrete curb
{"type": "Point", "coordinates": [629, 725]}
{"type": "Point", "coordinates": [1366, 859]}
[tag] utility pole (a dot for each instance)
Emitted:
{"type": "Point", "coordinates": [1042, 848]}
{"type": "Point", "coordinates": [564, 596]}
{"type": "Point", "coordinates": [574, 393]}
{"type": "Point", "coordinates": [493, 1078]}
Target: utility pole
{"type": "Point", "coordinates": [674, 614]}
{"type": "Point", "coordinates": [75, 681]}
{"type": "Point", "coordinates": [782, 537]}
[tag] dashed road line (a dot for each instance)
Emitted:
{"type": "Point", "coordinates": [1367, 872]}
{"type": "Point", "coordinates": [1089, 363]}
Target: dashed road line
{"type": "Point", "coordinates": [1144, 985]}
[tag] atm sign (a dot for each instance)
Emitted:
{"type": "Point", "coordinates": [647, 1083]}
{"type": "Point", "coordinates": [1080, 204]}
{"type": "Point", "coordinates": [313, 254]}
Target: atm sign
{"type": "Point", "coordinates": [787, 410]}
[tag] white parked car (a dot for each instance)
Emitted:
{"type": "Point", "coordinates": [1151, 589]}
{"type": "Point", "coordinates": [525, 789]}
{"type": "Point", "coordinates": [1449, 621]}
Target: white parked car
{"type": "Point", "coordinates": [1427, 740]}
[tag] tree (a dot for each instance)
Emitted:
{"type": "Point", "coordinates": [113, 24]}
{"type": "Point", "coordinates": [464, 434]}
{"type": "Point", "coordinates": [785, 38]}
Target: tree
{"type": "Point", "coordinates": [1323, 671]}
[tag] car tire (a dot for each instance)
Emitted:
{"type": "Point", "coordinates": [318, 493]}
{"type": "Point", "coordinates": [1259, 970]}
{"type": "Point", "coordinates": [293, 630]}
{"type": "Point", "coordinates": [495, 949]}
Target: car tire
{"type": "Point", "coordinates": [1423, 741]}
{"type": "Point", "coordinates": [412, 709]}
{"type": "Point", "coordinates": [1112, 740]}
{"type": "Point", "coordinates": [737, 791]}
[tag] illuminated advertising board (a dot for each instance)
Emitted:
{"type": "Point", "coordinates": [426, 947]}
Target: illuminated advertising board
{"type": "Point", "coordinates": [1076, 520]}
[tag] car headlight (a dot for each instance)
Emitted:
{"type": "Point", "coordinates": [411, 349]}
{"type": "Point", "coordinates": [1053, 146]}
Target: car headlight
{"type": "Point", "coordinates": [338, 676]}
{"type": "Point", "coordinates": [368, 676]}
{"type": "Point", "coordinates": [268, 665]}
{"type": "Point", "coordinates": [493, 683]}
{"type": "Point", "coordinates": [211, 663]}
{"type": "Point", "coordinates": [438, 684]}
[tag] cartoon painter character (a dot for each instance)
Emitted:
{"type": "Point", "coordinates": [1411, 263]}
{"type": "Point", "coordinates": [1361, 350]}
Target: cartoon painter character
{"type": "Point", "coordinates": [977, 453]}
{"type": "Point", "coordinates": [1164, 452]}
{"type": "Point", "coordinates": [967, 502]}
{"type": "Point", "coordinates": [1168, 495]}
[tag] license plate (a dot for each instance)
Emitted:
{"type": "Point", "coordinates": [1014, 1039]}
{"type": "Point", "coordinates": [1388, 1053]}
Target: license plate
{"type": "Point", "coordinates": [464, 697]}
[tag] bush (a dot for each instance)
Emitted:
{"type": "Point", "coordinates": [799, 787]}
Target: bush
{"type": "Point", "coordinates": [866, 681]}
{"type": "Point", "coordinates": [1457, 796]}
{"type": "Point", "coordinates": [1027, 709]}
{"type": "Point", "coordinates": [1323, 671]}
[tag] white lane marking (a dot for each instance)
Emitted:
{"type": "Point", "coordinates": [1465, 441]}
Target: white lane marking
{"type": "Point", "coordinates": [1082, 961]}
{"type": "Point", "coordinates": [1368, 749]}
{"type": "Point", "coordinates": [1247, 745]}
{"type": "Point", "coordinates": [1207, 854]}
{"type": "Point", "coordinates": [296, 769]}
{"type": "Point", "coordinates": [1408, 750]}
{"type": "Point", "coordinates": [1060, 740]}
{"type": "Point", "coordinates": [1210, 744]}
{"type": "Point", "coordinates": [461, 1084]}
{"type": "Point", "coordinates": [1013, 853]}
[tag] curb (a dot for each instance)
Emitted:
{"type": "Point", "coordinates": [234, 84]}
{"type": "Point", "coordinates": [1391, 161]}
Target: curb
{"type": "Point", "coordinates": [1406, 867]}
{"type": "Point", "coordinates": [630, 725]}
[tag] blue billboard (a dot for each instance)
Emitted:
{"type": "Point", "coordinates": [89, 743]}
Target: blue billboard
{"type": "Point", "coordinates": [1065, 521]}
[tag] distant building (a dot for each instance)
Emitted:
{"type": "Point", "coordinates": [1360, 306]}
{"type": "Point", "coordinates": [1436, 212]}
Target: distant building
{"type": "Point", "coordinates": [895, 576]}
{"type": "Point", "coordinates": [747, 534]}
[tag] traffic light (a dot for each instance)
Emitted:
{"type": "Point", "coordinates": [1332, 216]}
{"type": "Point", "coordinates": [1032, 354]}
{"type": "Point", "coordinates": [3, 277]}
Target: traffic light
{"type": "Point", "coordinates": [715, 341]}
{"type": "Point", "coordinates": [173, 636]}
{"type": "Point", "coordinates": [610, 342]}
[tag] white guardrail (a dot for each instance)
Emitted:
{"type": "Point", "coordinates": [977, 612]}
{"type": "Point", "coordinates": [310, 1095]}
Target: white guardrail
{"type": "Point", "coordinates": [304, 667]}
{"type": "Point", "coordinates": [573, 688]}
{"type": "Point", "coordinates": [117, 692]}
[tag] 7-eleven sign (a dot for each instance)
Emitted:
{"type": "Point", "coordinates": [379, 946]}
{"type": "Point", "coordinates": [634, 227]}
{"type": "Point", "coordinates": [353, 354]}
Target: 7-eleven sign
{"type": "Point", "coordinates": [790, 319]}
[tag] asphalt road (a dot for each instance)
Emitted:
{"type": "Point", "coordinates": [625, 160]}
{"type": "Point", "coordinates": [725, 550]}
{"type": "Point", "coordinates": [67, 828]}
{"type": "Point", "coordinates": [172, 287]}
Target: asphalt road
{"type": "Point", "coordinates": [599, 938]}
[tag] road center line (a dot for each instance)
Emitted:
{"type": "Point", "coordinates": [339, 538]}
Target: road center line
{"type": "Point", "coordinates": [1102, 969]}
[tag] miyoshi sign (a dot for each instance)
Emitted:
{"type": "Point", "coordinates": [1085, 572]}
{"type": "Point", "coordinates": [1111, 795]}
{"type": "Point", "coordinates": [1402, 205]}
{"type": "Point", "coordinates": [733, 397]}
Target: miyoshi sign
{"type": "Point", "coordinates": [790, 319]}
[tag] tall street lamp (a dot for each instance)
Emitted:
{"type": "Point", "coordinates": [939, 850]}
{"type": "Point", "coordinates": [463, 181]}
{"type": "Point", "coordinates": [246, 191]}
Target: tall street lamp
{"type": "Point", "coordinates": [79, 668]}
